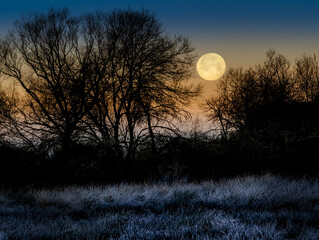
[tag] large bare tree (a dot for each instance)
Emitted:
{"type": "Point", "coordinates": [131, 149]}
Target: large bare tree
{"type": "Point", "coordinates": [143, 71]}
{"type": "Point", "coordinates": [45, 54]}
{"type": "Point", "coordinates": [115, 75]}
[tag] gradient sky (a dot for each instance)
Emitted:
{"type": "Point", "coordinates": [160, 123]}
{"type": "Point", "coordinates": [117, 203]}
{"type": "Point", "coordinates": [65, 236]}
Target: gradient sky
{"type": "Point", "coordinates": [240, 31]}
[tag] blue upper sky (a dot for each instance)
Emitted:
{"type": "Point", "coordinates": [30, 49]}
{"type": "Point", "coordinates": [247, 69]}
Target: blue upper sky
{"type": "Point", "coordinates": [241, 31]}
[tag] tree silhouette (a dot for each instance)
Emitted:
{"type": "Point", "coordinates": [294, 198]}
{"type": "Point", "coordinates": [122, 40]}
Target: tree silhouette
{"type": "Point", "coordinates": [115, 76]}
{"type": "Point", "coordinates": [269, 114]}
{"type": "Point", "coordinates": [246, 97]}
{"type": "Point", "coordinates": [45, 55]}
{"type": "Point", "coordinates": [143, 73]}
{"type": "Point", "coordinates": [7, 111]}
{"type": "Point", "coordinates": [306, 74]}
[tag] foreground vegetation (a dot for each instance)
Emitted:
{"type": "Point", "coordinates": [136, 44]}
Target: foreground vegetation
{"type": "Point", "coordinates": [266, 207]}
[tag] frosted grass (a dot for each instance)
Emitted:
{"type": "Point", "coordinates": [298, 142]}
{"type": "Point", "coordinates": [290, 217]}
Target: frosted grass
{"type": "Point", "coordinates": [266, 207]}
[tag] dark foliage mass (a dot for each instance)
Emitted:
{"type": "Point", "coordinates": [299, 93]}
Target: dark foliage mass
{"type": "Point", "coordinates": [270, 115]}
{"type": "Point", "coordinates": [99, 98]}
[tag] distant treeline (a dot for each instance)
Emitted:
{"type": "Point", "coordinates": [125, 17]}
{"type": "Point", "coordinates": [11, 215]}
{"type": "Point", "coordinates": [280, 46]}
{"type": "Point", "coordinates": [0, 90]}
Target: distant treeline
{"type": "Point", "coordinates": [98, 98]}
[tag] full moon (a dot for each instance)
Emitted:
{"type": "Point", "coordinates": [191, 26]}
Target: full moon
{"type": "Point", "coordinates": [211, 66]}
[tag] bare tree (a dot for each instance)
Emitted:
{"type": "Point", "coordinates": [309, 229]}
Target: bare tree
{"type": "Point", "coordinates": [115, 75]}
{"type": "Point", "coordinates": [231, 107]}
{"type": "Point", "coordinates": [143, 72]}
{"type": "Point", "coordinates": [275, 79]}
{"type": "Point", "coordinates": [45, 55]}
{"type": "Point", "coordinates": [244, 94]}
{"type": "Point", "coordinates": [4, 111]}
{"type": "Point", "coordinates": [306, 74]}
{"type": "Point", "coordinates": [5, 108]}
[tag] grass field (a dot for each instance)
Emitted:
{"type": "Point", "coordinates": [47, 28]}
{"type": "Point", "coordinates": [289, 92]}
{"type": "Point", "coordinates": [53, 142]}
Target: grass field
{"type": "Point", "coordinates": [266, 207]}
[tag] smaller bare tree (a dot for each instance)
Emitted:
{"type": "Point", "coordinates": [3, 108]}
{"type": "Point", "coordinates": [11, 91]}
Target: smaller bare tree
{"type": "Point", "coordinates": [306, 74]}
{"type": "Point", "coordinates": [244, 93]}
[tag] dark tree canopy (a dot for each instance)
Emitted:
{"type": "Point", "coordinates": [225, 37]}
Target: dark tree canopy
{"type": "Point", "coordinates": [116, 76]}
{"type": "Point", "coordinates": [101, 96]}
{"type": "Point", "coordinates": [143, 82]}
{"type": "Point", "coordinates": [6, 108]}
{"type": "Point", "coordinates": [44, 55]}
{"type": "Point", "coordinates": [306, 74]}
{"type": "Point", "coordinates": [269, 100]}
{"type": "Point", "coordinates": [243, 94]}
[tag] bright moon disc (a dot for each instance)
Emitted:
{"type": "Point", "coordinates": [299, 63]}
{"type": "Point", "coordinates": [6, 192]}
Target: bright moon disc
{"type": "Point", "coordinates": [211, 66]}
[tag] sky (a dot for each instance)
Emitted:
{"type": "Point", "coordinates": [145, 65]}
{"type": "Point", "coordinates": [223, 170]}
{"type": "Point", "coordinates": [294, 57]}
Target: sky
{"type": "Point", "coordinates": [240, 31]}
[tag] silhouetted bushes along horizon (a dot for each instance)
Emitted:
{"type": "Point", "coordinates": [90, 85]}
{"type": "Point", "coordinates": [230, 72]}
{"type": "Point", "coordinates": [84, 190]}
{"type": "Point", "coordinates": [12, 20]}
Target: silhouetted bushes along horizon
{"type": "Point", "coordinates": [186, 159]}
{"type": "Point", "coordinates": [100, 97]}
